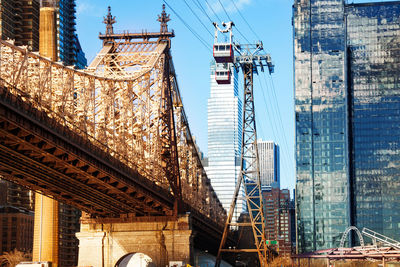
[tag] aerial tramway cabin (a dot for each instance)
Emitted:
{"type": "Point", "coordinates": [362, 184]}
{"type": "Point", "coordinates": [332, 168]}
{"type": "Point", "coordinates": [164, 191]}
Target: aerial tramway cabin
{"type": "Point", "coordinates": [222, 74]}
{"type": "Point", "coordinates": [223, 53]}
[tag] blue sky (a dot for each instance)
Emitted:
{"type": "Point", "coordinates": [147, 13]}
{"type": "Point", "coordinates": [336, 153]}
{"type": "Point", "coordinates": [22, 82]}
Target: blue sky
{"type": "Point", "coordinates": [269, 21]}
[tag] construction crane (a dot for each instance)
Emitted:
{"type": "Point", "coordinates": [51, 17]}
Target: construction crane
{"type": "Point", "coordinates": [249, 59]}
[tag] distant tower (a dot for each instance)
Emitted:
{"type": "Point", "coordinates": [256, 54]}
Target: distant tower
{"type": "Point", "coordinates": [269, 159]}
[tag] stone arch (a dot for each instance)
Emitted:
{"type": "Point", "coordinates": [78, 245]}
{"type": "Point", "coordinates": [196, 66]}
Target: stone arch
{"type": "Point", "coordinates": [135, 259]}
{"type": "Point", "coordinates": [344, 236]}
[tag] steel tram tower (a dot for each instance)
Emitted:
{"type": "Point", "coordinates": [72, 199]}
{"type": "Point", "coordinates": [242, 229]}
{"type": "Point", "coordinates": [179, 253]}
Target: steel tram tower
{"type": "Point", "coordinates": [250, 58]}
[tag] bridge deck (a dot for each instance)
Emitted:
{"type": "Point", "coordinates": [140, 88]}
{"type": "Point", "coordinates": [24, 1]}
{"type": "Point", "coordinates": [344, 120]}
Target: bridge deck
{"type": "Point", "coordinates": [60, 163]}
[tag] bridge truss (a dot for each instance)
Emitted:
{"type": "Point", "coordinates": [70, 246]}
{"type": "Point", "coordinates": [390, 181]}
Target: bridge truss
{"type": "Point", "coordinates": [125, 109]}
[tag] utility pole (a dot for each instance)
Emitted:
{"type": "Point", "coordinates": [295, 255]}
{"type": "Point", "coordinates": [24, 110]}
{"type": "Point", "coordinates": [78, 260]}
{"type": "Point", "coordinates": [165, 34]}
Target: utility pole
{"type": "Point", "coordinates": [249, 60]}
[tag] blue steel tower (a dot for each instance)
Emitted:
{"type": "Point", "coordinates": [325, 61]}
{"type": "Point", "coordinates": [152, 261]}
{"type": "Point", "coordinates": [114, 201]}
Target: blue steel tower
{"type": "Point", "coordinates": [347, 103]}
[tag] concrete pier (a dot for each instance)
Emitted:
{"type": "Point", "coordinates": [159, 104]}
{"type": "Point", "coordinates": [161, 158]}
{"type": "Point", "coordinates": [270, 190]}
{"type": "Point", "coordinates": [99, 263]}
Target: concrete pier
{"type": "Point", "coordinates": [163, 240]}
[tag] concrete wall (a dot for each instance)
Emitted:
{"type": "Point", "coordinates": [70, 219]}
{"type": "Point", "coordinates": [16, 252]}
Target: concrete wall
{"type": "Point", "coordinates": [104, 244]}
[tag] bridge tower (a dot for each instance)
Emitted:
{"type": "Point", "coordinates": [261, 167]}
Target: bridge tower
{"type": "Point", "coordinates": [249, 59]}
{"type": "Point", "coordinates": [46, 223]}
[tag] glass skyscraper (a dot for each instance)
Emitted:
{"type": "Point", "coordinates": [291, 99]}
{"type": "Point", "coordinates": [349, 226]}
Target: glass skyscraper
{"type": "Point", "coordinates": [347, 103]}
{"type": "Point", "coordinates": [225, 139]}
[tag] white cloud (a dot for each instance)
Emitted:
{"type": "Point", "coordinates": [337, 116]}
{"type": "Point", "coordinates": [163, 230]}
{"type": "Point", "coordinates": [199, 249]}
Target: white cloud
{"type": "Point", "coordinates": [84, 8]}
{"type": "Point", "coordinates": [242, 3]}
{"type": "Point", "coordinates": [229, 6]}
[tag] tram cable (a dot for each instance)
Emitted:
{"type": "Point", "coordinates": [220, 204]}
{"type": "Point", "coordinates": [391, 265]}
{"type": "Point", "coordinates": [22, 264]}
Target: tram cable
{"type": "Point", "coordinates": [271, 114]}
{"type": "Point", "coordinates": [210, 7]}
{"type": "Point", "coordinates": [226, 13]}
{"type": "Point", "coordinates": [277, 113]}
{"type": "Point", "coordinates": [202, 41]}
{"type": "Point", "coordinates": [202, 9]}
{"type": "Point", "coordinates": [198, 18]}
{"type": "Point", "coordinates": [240, 13]}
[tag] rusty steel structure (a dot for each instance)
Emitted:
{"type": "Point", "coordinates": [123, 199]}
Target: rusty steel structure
{"type": "Point", "coordinates": [112, 139]}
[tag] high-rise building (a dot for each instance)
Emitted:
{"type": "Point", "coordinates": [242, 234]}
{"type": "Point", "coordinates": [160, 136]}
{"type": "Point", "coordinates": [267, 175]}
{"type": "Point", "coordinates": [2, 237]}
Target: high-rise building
{"type": "Point", "coordinates": [16, 217]}
{"type": "Point", "coordinates": [16, 229]}
{"type": "Point", "coordinates": [19, 21]}
{"type": "Point", "coordinates": [14, 195]}
{"type": "Point", "coordinates": [292, 214]}
{"type": "Point", "coordinates": [347, 102]}
{"type": "Point", "coordinates": [225, 139]}
{"type": "Point", "coordinates": [69, 50]}
{"type": "Point", "coordinates": [277, 218]}
{"type": "Point", "coordinates": [80, 59]}
{"type": "Point", "coordinates": [268, 156]}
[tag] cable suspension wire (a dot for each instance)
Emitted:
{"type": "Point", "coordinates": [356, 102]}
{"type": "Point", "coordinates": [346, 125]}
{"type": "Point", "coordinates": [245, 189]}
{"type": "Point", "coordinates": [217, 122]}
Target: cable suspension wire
{"type": "Point", "coordinates": [276, 112]}
{"type": "Point", "coordinates": [244, 37]}
{"type": "Point", "coordinates": [210, 7]}
{"type": "Point", "coordinates": [278, 129]}
{"type": "Point", "coordinates": [202, 9]}
{"type": "Point", "coordinates": [198, 18]}
{"type": "Point", "coordinates": [272, 121]}
{"type": "Point", "coordinates": [279, 113]}
{"type": "Point", "coordinates": [241, 15]}
{"type": "Point", "coordinates": [226, 13]}
{"type": "Point", "coordinates": [204, 43]}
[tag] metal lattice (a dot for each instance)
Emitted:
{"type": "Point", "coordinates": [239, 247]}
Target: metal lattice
{"type": "Point", "coordinates": [126, 103]}
{"type": "Point", "coordinates": [249, 60]}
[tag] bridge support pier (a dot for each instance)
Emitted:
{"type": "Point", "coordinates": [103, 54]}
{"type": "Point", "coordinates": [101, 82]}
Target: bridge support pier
{"type": "Point", "coordinates": [163, 239]}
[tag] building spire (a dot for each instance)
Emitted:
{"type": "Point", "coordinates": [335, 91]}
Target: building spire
{"type": "Point", "coordinates": [109, 21]}
{"type": "Point", "coordinates": [163, 19]}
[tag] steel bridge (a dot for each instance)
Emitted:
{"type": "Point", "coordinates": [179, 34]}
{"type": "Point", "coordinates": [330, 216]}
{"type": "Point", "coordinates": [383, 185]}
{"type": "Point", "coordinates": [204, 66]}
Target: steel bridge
{"type": "Point", "coordinates": [112, 140]}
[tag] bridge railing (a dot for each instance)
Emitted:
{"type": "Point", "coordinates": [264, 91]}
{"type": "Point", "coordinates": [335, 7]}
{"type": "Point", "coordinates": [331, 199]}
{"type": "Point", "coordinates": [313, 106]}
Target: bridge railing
{"type": "Point", "coordinates": [119, 116]}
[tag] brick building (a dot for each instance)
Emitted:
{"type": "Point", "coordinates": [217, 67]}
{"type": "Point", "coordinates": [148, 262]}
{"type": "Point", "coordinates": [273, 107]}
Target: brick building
{"type": "Point", "coordinates": [277, 219]}
{"type": "Point", "coordinates": [16, 229]}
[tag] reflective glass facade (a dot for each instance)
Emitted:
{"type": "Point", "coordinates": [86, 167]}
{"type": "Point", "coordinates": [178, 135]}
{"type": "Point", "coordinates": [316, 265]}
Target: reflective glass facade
{"type": "Point", "coordinates": [374, 74]}
{"type": "Point", "coordinates": [66, 31]}
{"type": "Point", "coordinates": [347, 117]}
{"type": "Point", "coordinates": [225, 139]}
